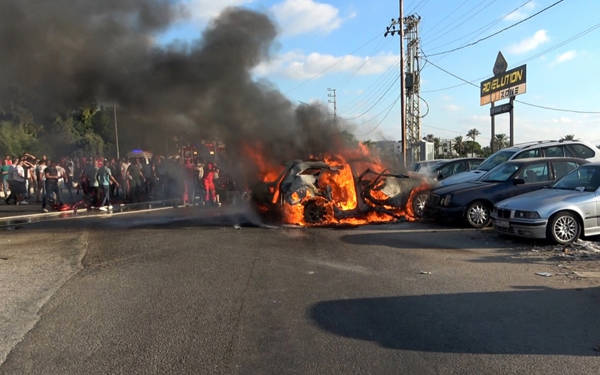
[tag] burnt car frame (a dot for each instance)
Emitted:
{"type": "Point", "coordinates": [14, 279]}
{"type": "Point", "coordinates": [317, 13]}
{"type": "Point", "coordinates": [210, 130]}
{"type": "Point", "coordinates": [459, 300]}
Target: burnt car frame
{"type": "Point", "coordinates": [301, 183]}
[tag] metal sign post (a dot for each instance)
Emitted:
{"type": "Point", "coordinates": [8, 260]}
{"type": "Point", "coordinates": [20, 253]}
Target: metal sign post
{"type": "Point", "coordinates": [503, 85]}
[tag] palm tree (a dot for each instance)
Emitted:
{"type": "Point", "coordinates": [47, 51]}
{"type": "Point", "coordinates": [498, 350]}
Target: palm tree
{"type": "Point", "coordinates": [500, 141]}
{"type": "Point", "coordinates": [568, 137]}
{"type": "Point", "coordinates": [459, 145]}
{"type": "Point", "coordinates": [473, 133]}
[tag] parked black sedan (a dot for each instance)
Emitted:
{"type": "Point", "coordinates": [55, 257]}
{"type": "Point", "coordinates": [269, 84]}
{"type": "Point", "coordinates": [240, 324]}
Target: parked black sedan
{"type": "Point", "coordinates": [473, 201]}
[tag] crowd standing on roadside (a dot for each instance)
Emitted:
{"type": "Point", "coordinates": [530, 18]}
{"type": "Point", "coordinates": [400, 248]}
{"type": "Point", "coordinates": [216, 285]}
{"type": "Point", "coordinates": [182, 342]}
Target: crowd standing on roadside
{"type": "Point", "coordinates": [101, 182]}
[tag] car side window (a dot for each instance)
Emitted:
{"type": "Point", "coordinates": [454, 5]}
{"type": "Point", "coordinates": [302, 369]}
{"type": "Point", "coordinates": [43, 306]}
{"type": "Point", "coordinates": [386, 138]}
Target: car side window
{"type": "Point", "coordinates": [473, 164]}
{"type": "Point", "coordinates": [563, 168]}
{"type": "Point", "coordinates": [447, 170]}
{"type": "Point", "coordinates": [580, 151]}
{"type": "Point", "coordinates": [461, 167]}
{"type": "Point", "coordinates": [554, 151]}
{"type": "Point", "coordinates": [533, 173]}
{"type": "Point", "coordinates": [535, 153]}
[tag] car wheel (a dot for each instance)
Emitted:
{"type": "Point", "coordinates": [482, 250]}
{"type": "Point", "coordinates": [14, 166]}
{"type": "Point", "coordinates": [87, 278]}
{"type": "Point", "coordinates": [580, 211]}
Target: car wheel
{"type": "Point", "coordinates": [478, 214]}
{"type": "Point", "coordinates": [418, 204]}
{"type": "Point", "coordinates": [564, 228]}
{"type": "Point", "coordinates": [316, 212]}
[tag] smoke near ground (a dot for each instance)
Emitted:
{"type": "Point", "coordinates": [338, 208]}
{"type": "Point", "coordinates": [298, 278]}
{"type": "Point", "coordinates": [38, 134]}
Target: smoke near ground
{"type": "Point", "coordinates": [61, 54]}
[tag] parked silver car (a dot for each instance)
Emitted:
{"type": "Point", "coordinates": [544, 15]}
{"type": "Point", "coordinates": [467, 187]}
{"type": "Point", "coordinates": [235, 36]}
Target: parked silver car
{"type": "Point", "coordinates": [560, 213]}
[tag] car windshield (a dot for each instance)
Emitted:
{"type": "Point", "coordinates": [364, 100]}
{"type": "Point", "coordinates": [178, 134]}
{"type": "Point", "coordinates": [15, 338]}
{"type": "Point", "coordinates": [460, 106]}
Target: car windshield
{"type": "Point", "coordinates": [428, 166]}
{"type": "Point", "coordinates": [501, 173]}
{"type": "Point", "coordinates": [584, 179]}
{"type": "Point", "coordinates": [496, 159]}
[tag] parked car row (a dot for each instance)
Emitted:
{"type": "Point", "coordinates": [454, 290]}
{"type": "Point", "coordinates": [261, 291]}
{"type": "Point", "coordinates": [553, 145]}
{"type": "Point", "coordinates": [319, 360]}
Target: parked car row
{"type": "Point", "coordinates": [545, 189]}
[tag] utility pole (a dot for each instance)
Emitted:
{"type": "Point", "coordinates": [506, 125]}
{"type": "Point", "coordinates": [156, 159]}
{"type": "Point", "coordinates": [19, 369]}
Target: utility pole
{"type": "Point", "coordinates": [397, 26]}
{"type": "Point", "coordinates": [333, 100]}
{"type": "Point", "coordinates": [116, 131]}
{"type": "Point", "coordinates": [412, 86]}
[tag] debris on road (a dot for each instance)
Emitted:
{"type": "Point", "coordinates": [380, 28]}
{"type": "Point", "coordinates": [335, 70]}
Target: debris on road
{"type": "Point", "coordinates": [590, 274]}
{"type": "Point", "coordinates": [544, 274]}
{"type": "Point", "coordinates": [237, 226]}
{"type": "Point", "coordinates": [425, 272]}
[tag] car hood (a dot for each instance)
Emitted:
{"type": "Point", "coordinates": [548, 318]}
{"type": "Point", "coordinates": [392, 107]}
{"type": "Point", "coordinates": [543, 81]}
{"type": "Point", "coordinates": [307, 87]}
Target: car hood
{"type": "Point", "coordinates": [464, 187]}
{"type": "Point", "coordinates": [534, 200]}
{"type": "Point", "coordinates": [462, 177]}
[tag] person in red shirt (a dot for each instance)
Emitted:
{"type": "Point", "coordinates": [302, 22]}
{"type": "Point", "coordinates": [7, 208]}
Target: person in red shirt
{"type": "Point", "coordinates": [209, 184]}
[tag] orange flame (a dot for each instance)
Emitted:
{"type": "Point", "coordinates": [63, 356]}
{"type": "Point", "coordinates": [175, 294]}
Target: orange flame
{"type": "Point", "coordinates": [341, 190]}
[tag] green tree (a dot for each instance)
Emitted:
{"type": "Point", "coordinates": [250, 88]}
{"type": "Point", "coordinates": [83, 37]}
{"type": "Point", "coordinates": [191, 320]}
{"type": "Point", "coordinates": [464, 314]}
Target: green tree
{"type": "Point", "coordinates": [472, 134]}
{"type": "Point", "coordinates": [459, 145]}
{"type": "Point", "coordinates": [500, 141]}
{"type": "Point", "coordinates": [568, 137]}
{"type": "Point", "coordinates": [486, 151]}
{"type": "Point", "coordinates": [436, 146]}
{"type": "Point", "coordinates": [475, 147]}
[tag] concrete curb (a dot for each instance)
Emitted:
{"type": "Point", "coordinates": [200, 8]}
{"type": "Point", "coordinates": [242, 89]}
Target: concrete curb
{"type": "Point", "coordinates": [165, 203]}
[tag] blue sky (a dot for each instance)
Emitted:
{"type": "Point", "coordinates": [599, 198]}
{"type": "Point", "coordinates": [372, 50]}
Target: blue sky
{"type": "Point", "coordinates": [339, 44]}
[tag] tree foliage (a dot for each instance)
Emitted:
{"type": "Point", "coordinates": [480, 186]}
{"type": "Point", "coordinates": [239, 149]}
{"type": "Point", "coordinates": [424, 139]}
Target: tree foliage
{"type": "Point", "coordinates": [84, 131]}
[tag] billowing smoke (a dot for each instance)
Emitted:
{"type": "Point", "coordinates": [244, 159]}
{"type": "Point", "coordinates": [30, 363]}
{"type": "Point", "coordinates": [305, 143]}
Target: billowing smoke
{"type": "Point", "coordinates": [60, 54]}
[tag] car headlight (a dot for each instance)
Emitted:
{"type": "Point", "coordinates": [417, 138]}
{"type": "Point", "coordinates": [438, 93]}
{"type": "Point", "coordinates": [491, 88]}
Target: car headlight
{"type": "Point", "coordinates": [526, 215]}
{"type": "Point", "coordinates": [445, 201]}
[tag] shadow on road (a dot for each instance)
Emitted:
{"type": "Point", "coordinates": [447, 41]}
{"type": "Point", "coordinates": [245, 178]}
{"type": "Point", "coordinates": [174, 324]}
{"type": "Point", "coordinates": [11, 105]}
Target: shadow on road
{"type": "Point", "coordinates": [430, 239]}
{"type": "Point", "coordinates": [527, 321]}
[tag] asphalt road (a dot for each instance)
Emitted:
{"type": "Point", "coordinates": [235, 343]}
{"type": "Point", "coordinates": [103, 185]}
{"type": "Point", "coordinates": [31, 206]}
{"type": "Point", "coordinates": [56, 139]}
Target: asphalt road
{"type": "Point", "coordinates": [165, 293]}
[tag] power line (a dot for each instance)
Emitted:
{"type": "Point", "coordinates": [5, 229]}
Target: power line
{"type": "Point", "coordinates": [372, 91]}
{"type": "Point", "coordinates": [486, 27]}
{"type": "Point", "coordinates": [563, 43]}
{"type": "Point", "coordinates": [362, 65]}
{"type": "Point", "coordinates": [332, 65]}
{"type": "Point", "coordinates": [389, 110]}
{"type": "Point", "coordinates": [376, 102]}
{"type": "Point", "coordinates": [420, 4]}
{"type": "Point", "coordinates": [437, 25]}
{"type": "Point", "coordinates": [558, 109]}
{"type": "Point", "coordinates": [467, 17]}
{"type": "Point", "coordinates": [550, 49]}
{"type": "Point", "coordinates": [497, 32]}
{"type": "Point", "coordinates": [529, 104]}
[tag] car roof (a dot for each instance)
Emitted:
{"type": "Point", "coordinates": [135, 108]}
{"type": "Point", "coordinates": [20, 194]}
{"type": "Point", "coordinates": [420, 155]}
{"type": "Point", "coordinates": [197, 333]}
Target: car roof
{"type": "Point", "coordinates": [456, 159]}
{"type": "Point", "coordinates": [546, 143]}
{"type": "Point", "coordinates": [534, 160]}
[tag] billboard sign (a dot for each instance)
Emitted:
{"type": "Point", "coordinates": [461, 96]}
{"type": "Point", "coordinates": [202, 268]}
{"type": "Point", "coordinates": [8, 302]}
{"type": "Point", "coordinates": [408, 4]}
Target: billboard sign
{"type": "Point", "coordinates": [503, 86]}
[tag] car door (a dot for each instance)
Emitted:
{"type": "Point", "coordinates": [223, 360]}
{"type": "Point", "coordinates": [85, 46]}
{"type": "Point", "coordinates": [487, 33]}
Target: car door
{"type": "Point", "coordinates": [562, 168]}
{"type": "Point", "coordinates": [597, 213]}
{"type": "Point", "coordinates": [535, 175]}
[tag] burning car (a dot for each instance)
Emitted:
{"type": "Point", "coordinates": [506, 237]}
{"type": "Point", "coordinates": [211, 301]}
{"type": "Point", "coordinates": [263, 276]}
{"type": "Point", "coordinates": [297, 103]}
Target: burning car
{"type": "Point", "coordinates": [330, 192]}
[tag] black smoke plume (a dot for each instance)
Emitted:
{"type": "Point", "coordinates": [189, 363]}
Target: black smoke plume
{"type": "Point", "coordinates": [60, 54]}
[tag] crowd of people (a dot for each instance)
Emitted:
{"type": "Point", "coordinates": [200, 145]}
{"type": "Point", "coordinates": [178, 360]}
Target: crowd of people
{"type": "Point", "coordinates": [99, 182]}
